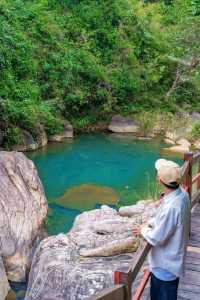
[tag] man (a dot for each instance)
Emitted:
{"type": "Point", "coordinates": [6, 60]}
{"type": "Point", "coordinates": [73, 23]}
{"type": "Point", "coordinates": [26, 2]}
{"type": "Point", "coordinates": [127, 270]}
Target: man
{"type": "Point", "coordinates": [168, 233]}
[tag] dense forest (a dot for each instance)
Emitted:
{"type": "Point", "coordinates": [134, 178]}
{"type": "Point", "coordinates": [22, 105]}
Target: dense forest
{"type": "Point", "coordinates": [84, 60]}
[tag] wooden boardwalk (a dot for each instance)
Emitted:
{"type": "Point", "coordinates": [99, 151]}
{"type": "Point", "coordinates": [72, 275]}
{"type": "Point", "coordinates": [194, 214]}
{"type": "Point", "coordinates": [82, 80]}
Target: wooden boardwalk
{"type": "Point", "coordinates": [189, 287]}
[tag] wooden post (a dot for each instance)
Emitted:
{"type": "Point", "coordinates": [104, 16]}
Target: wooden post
{"type": "Point", "coordinates": [188, 180]}
{"type": "Point", "coordinates": [198, 181]}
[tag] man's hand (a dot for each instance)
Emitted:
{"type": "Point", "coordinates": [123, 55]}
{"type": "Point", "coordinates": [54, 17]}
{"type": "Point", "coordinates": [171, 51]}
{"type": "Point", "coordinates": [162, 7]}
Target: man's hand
{"type": "Point", "coordinates": [137, 231]}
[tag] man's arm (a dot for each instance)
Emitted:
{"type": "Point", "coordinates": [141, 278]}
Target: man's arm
{"type": "Point", "coordinates": [164, 227]}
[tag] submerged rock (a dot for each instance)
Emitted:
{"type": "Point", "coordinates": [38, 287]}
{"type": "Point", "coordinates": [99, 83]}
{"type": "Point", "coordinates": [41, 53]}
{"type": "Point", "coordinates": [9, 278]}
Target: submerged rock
{"type": "Point", "coordinates": [23, 210]}
{"type": "Point", "coordinates": [85, 196]}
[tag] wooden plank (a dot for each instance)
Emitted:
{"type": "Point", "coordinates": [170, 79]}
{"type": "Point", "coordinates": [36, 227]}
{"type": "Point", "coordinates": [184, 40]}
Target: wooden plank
{"type": "Point", "coordinates": [185, 286]}
{"type": "Point", "coordinates": [117, 292]}
{"type": "Point", "coordinates": [195, 198]}
{"type": "Point", "coordinates": [188, 295]}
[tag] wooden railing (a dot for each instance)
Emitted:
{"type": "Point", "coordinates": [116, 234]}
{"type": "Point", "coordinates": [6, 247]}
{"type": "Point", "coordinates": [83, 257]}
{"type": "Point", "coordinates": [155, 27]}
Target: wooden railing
{"type": "Point", "coordinates": [123, 279]}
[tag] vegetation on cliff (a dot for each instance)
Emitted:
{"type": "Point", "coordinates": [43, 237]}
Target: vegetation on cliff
{"type": "Point", "coordinates": [84, 60]}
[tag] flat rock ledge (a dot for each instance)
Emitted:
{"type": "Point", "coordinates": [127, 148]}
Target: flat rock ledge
{"type": "Point", "coordinates": [59, 271]}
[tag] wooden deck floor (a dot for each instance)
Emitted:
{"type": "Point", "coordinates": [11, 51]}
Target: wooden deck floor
{"type": "Point", "coordinates": [189, 287]}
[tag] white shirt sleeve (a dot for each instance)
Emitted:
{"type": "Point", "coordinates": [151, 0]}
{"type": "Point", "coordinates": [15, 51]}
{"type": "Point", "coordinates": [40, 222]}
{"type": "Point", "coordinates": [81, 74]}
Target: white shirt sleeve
{"type": "Point", "coordinates": [151, 222]}
{"type": "Point", "coordinates": [164, 226]}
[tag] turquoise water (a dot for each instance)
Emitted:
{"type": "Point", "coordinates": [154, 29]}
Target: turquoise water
{"type": "Point", "coordinates": [92, 170]}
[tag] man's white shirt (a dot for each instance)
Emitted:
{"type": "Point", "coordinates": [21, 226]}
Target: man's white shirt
{"type": "Point", "coordinates": [169, 233]}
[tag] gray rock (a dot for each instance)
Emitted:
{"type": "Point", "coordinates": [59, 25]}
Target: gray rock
{"type": "Point", "coordinates": [59, 271]}
{"type": "Point", "coordinates": [67, 133]}
{"type": "Point", "coordinates": [23, 209]}
{"type": "Point", "coordinates": [195, 115]}
{"type": "Point", "coordinates": [4, 285]}
{"type": "Point", "coordinates": [41, 136]}
{"type": "Point", "coordinates": [121, 124]}
{"type": "Point", "coordinates": [28, 143]}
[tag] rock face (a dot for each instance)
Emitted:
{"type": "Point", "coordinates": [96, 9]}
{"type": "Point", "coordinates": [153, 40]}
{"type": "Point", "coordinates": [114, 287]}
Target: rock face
{"type": "Point", "coordinates": [41, 136]}
{"type": "Point", "coordinates": [4, 285]}
{"type": "Point", "coordinates": [23, 209]}
{"type": "Point", "coordinates": [59, 271]}
{"type": "Point", "coordinates": [120, 124]}
{"type": "Point", "coordinates": [67, 133]}
{"type": "Point", "coordinates": [28, 143]}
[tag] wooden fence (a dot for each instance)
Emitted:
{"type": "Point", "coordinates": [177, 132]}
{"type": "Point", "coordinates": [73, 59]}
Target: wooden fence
{"type": "Point", "coordinates": [123, 279]}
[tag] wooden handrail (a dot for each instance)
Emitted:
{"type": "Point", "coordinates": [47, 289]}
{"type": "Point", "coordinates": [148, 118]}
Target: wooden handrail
{"type": "Point", "coordinates": [142, 285]}
{"type": "Point", "coordinates": [195, 178]}
{"type": "Point", "coordinates": [125, 278]}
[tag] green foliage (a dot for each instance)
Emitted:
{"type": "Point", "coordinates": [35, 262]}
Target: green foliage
{"type": "Point", "coordinates": [195, 134]}
{"type": "Point", "coordinates": [147, 121]}
{"type": "Point", "coordinates": [13, 136]}
{"type": "Point", "coordinates": [29, 114]}
{"type": "Point", "coordinates": [69, 59]}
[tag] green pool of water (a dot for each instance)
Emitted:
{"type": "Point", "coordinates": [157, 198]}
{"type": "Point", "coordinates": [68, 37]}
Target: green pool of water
{"type": "Point", "coordinates": [91, 170]}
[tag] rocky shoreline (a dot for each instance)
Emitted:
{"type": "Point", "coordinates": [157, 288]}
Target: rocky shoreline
{"type": "Point", "coordinates": [175, 132]}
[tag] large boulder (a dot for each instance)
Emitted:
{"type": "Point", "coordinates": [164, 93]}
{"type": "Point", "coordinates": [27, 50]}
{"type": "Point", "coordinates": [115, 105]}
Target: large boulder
{"type": "Point", "coordinates": [28, 143]}
{"type": "Point", "coordinates": [121, 124]}
{"type": "Point", "coordinates": [23, 209]}
{"type": "Point", "coordinates": [63, 266]}
{"type": "Point", "coordinates": [67, 133]}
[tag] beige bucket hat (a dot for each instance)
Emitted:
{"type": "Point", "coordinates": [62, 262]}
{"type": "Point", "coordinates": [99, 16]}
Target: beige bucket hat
{"type": "Point", "coordinates": [168, 171]}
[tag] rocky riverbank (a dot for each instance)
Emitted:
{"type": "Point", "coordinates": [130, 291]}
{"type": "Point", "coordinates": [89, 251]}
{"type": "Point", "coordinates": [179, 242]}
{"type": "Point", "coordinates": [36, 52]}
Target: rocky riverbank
{"type": "Point", "coordinates": [179, 131]}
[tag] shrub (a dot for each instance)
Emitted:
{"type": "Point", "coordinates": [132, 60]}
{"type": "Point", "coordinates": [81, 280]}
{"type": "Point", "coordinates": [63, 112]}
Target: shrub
{"type": "Point", "coordinates": [195, 134]}
{"type": "Point", "coordinates": [13, 136]}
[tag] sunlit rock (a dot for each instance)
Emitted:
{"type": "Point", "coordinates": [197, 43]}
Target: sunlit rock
{"type": "Point", "coordinates": [184, 143]}
{"type": "Point", "coordinates": [123, 125]}
{"type": "Point", "coordinates": [82, 263]}
{"type": "Point", "coordinates": [67, 133]}
{"type": "Point", "coordinates": [23, 210]}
